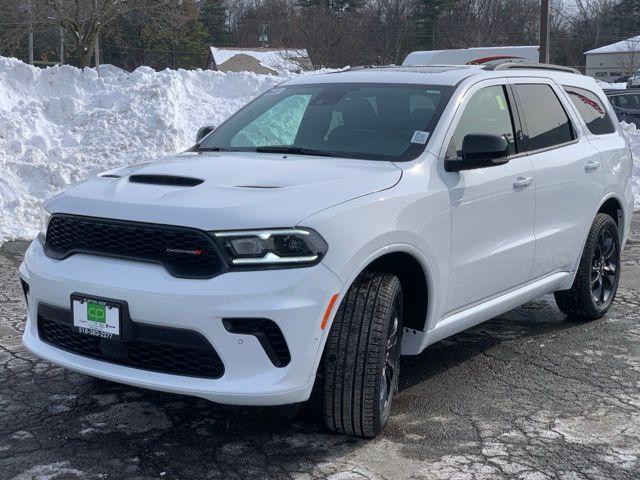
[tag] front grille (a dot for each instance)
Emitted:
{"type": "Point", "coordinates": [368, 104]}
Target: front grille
{"type": "Point", "coordinates": [181, 352]}
{"type": "Point", "coordinates": [184, 252]}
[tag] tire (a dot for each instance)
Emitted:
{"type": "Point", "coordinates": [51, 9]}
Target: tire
{"type": "Point", "coordinates": [362, 356]}
{"type": "Point", "coordinates": [596, 282]}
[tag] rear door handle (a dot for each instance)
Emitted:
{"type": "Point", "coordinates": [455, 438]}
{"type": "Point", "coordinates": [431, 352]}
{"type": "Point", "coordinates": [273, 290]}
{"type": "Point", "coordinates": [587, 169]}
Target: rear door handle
{"type": "Point", "coordinates": [591, 166]}
{"type": "Point", "coordinates": [522, 182]}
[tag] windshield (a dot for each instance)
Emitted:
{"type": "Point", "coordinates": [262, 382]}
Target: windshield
{"type": "Point", "coordinates": [355, 120]}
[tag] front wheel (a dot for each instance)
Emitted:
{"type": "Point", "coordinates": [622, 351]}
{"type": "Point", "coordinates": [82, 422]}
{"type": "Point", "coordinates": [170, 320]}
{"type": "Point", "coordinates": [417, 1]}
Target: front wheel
{"type": "Point", "coordinates": [362, 356]}
{"type": "Point", "coordinates": [596, 282]}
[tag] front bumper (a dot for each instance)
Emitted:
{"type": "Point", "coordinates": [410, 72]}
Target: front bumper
{"type": "Point", "coordinates": [295, 299]}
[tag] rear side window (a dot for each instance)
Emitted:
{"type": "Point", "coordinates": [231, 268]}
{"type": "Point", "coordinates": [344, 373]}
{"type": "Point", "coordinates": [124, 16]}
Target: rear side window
{"type": "Point", "coordinates": [544, 116]}
{"type": "Point", "coordinates": [591, 110]}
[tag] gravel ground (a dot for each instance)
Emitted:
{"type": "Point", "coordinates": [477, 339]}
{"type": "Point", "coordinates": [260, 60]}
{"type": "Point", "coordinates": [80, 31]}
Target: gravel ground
{"type": "Point", "coordinates": [527, 395]}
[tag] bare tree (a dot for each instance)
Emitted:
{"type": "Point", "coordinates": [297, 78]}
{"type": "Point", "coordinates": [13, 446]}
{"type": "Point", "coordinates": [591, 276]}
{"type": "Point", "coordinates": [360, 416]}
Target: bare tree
{"type": "Point", "coordinates": [630, 56]}
{"type": "Point", "coordinates": [83, 19]}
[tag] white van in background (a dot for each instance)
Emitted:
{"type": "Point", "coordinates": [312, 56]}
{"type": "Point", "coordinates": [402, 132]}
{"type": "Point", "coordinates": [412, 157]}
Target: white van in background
{"type": "Point", "coordinates": [474, 56]}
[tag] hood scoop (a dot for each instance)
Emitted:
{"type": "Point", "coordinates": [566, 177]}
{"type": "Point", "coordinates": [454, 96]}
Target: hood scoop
{"type": "Point", "coordinates": [169, 180]}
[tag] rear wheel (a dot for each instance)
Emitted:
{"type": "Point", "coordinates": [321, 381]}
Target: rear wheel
{"type": "Point", "coordinates": [596, 282]}
{"type": "Point", "coordinates": [362, 356]}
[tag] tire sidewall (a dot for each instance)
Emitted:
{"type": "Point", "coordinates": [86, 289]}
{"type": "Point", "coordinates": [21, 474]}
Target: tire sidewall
{"type": "Point", "coordinates": [606, 224]}
{"type": "Point", "coordinates": [384, 416]}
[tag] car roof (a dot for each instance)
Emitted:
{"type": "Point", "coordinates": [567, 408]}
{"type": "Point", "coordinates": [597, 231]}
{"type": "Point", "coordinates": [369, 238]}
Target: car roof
{"type": "Point", "coordinates": [610, 92]}
{"type": "Point", "coordinates": [433, 75]}
{"type": "Point", "coordinates": [451, 75]}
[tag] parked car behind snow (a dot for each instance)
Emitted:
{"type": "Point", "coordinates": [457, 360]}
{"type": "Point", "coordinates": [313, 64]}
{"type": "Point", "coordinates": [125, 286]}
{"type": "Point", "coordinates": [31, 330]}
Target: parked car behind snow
{"type": "Point", "coordinates": [626, 104]}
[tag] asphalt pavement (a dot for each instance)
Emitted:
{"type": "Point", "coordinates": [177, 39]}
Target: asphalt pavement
{"type": "Point", "coordinates": [527, 395]}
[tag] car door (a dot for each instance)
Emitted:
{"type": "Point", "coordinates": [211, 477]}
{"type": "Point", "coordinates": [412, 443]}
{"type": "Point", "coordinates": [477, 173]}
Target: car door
{"type": "Point", "coordinates": [569, 180]}
{"type": "Point", "coordinates": [492, 208]}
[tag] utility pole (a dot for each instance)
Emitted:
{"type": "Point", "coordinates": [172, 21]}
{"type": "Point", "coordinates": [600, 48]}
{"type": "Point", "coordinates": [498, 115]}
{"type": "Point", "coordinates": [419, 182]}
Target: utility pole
{"type": "Point", "coordinates": [544, 31]}
{"type": "Point", "coordinates": [97, 53]}
{"type": "Point", "coordinates": [30, 45]}
{"type": "Point", "coordinates": [30, 33]}
{"type": "Point", "coordinates": [61, 46]}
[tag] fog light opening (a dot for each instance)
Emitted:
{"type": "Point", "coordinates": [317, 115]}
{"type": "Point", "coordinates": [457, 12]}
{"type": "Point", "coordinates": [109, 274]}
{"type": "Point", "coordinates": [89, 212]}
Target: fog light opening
{"type": "Point", "coordinates": [25, 290]}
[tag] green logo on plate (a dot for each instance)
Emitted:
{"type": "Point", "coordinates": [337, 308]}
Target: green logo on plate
{"type": "Point", "coordinates": [96, 312]}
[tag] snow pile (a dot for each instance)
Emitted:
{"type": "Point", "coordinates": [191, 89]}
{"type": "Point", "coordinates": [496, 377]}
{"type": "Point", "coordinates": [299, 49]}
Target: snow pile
{"type": "Point", "coordinates": [62, 124]}
{"type": "Point", "coordinates": [279, 60]}
{"type": "Point", "coordinates": [633, 136]}
{"type": "Point", "coordinates": [612, 86]}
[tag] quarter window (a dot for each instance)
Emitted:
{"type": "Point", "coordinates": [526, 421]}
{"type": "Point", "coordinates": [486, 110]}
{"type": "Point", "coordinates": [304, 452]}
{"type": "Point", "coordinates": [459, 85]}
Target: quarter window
{"type": "Point", "coordinates": [486, 113]}
{"type": "Point", "coordinates": [547, 123]}
{"type": "Point", "coordinates": [591, 110]}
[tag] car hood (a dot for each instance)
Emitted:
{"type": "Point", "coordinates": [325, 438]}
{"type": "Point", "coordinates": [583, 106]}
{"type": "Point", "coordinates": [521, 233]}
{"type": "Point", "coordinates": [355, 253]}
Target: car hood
{"type": "Point", "coordinates": [238, 190]}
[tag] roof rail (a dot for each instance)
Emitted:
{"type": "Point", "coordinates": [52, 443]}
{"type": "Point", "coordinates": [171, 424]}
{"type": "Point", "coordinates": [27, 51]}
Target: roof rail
{"type": "Point", "coordinates": [535, 66]}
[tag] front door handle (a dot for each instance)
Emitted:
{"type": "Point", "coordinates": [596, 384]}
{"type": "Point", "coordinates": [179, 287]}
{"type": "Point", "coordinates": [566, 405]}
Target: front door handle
{"type": "Point", "coordinates": [591, 166]}
{"type": "Point", "coordinates": [522, 182]}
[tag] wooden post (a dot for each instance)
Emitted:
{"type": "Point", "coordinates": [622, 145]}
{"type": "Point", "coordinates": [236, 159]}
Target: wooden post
{"type": "Point", "coordinates": [61, 46]}
{"type": "Point", "coordinates": [97, 53]}
{"type": "Point", "coordinates": [30, 45]}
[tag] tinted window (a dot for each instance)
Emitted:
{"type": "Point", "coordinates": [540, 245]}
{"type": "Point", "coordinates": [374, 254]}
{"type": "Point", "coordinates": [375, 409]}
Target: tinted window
{"type": "Point", "coordinates": [486, 113]}
{"type": "Point", "coordinates": [591, 110]}
{"type": "Point", "coordinates": [547, 122]}
{"type": "Point", "coordinates": [355, 120]}
{"type": "Point", "coordinates": [629, 101]}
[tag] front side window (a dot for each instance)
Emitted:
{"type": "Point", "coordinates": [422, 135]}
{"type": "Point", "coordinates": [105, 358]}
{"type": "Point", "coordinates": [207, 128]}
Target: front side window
{"type": "Point", "coordinates": [487, 112]}
{"type": "Point", "coordinates": [367, 121]}
{"type": "Point", "coordinates": [591, 110]}
{"type": "Point", "coordinates": [547, 123]}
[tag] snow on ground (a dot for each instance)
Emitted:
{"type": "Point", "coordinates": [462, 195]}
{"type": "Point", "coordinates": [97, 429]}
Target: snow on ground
{"type": "Point", "coordinates": [61, 124]}
{"type": "Point", "coordinates": [612, 86]}
{"type": "Point", "coordinates": [633, 136]}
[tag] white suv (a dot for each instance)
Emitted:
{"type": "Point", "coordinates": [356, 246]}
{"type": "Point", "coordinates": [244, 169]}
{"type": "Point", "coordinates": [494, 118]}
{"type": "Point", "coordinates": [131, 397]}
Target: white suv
{"type": "Point", "coordinates": [334, 223]}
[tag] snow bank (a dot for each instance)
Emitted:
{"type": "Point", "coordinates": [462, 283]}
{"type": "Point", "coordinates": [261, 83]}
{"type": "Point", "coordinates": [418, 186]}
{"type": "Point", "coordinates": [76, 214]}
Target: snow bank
{"type": "Point", "coordinates": [612, 86]}
{"type": "Point", "coordinates": [62, 124]}
{"type": "Point", "coordinates": [633, 136]}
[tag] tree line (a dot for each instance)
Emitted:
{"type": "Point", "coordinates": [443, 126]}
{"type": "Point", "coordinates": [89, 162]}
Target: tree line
{"type": "Point", "coordinates": [177, 33]}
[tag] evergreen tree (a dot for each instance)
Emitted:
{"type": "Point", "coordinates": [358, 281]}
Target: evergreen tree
{"type": "Point", "coordinates": [426, 18]}
{"type": "Point", "coordinates": [213, 14]}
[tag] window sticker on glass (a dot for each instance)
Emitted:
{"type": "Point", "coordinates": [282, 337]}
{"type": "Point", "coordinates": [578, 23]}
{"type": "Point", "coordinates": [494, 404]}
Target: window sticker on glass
{"type": "Point", "coordinates": [501, 104]}
{"type": "Point", "coordinates": [420, 137]}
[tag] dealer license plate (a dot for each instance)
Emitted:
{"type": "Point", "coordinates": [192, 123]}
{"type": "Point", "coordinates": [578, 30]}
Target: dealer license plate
{"type": "Point", "coordinates": [98, 318]}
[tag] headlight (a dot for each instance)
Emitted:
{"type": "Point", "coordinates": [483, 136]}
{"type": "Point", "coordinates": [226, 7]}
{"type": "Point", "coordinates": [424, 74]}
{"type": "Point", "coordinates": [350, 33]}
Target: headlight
{"type": "Point", "coordinates": [295, 246]}
{"type": "Point", "coordinates": [44, 224]}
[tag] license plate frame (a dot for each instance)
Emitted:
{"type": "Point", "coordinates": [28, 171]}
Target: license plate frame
{"type": "Point", "coordinates": [107, 316]}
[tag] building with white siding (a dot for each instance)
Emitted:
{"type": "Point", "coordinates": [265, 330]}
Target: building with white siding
{"type": "Point", "coordinates": [611, 62]}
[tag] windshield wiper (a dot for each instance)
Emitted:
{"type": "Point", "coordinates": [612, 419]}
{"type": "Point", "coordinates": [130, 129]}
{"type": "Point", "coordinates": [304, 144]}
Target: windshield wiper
{"type": "Point", "coordinates": [212, 149]}
{"type": "Point", "coordinates": [297, 151]}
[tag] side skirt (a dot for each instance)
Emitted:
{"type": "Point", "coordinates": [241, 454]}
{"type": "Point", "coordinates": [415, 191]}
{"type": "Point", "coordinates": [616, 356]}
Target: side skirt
{"type": "Point", "coordinates": [414, 342]}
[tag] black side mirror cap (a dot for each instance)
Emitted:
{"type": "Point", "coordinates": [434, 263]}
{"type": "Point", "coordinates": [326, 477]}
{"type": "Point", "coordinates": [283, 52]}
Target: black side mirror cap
{"type": "Point", "coordinates": [480, 150]}
{"type": "Point", "coordinates": [203, 132]}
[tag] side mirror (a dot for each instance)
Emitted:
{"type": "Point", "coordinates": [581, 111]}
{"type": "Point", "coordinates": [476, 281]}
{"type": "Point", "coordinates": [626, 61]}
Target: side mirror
{"type": "Point", "coordinates": [480, 150]}
{"type": "Point", "coordinates": [203, 132]}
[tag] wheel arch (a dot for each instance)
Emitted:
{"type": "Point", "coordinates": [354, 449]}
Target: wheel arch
{"type": "Point", "coordinates": [612, 206]}
{"type": "Point", "coordinates": [416, 278]}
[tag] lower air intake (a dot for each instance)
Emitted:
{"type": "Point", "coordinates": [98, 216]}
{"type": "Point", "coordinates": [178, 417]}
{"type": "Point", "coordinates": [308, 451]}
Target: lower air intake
{"type": "Point", "coordinates": [268, 334]}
